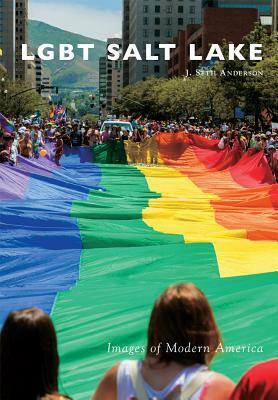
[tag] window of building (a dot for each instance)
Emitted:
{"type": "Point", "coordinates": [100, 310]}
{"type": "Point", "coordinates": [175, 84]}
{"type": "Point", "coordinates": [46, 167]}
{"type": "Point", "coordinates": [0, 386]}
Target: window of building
{"type": "Point", "coordinates": [156, 69]}
{"type": "Point", "coordinates": [169, 9]}
{"type": "Point", "coordinates": [145, 33]}
{"type": "Point", "coordinates": [192, 20]}
{"type": "Point", "coordinates": [145, 68]}
{"type": "Point", "coordinates": [180, 9]}
{"type": "Point", "coordinates": [180, 21]}
{"type": "Point", "coordinates": [157, 9]}
{"type": "Point", "coordinates": [146, 9]}
{"type": "Point", "coordinates": [192, 9]}
{"type": "Point", "coordinates": [157, 21]}
{"type": "Point", "coordinates": [156, 45]}
{"type": "Point", "coordinates": [145, 21]}
{"type": "Point", "coordinates": [157, 32]}
{"type": "Point", "coordinates": [168, 21]}
{"type": "Point", "coordinates": [169, 33]}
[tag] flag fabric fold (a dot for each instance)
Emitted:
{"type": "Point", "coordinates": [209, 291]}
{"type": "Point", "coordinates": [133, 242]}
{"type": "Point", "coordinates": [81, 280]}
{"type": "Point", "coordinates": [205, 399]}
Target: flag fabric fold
{"type": "Point", "coordinates": [95, 241]}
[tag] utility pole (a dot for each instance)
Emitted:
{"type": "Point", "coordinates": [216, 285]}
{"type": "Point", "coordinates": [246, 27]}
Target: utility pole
{"type": "Point", "coordinates": [274, 16]}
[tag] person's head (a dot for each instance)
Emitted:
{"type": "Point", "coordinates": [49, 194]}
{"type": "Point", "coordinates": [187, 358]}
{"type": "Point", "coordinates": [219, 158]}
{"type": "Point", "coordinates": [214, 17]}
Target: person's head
{"type": "Point", "coordinates": [29, 359]}
{"type": "Point", "coordinates": [181, 316]}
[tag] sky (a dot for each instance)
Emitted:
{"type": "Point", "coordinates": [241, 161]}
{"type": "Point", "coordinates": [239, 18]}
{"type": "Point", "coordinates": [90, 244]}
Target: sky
{"type": "Point", "coordinates": [98, 19]}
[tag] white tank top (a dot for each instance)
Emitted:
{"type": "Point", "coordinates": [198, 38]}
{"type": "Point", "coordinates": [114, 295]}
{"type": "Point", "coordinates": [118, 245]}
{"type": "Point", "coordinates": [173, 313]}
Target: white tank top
{"type": "Point", "coordinates": [126, 391]}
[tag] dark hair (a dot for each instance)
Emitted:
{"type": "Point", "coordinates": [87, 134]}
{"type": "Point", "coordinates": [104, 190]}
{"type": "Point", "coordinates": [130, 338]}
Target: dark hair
{"type": "Point", "coordinates": [29, 360]}
{"type": "Point", "coordinates": [182, 316]}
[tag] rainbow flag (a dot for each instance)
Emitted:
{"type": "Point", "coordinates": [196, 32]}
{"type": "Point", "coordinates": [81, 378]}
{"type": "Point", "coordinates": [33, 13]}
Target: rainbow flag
{"type": "Point", "coordinates": [59, 113]}
{"type": "Point", "coordinates": [102, 236]}
{"type": "Point", "coordinates": [6, 125]}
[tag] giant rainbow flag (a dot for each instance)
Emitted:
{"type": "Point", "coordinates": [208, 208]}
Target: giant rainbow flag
{"type": "Point", "coordinates": [95, 241]}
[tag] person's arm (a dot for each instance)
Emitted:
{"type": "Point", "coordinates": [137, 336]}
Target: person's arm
{"type": "Point", "coordinates": [219, 387]}
{"type": "Point", "coordinates": [107, 389]}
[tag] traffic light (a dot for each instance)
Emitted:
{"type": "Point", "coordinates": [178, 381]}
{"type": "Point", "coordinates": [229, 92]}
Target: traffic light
{"type": "Point", "coordinates": [57, 90]}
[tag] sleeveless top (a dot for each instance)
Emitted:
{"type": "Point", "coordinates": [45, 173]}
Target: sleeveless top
{"type": "Point", "coordinates": [125, 390]}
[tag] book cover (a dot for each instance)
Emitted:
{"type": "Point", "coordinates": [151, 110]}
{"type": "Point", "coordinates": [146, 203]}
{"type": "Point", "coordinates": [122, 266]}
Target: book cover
{"type": "Point", "coordinates": [138, 187]}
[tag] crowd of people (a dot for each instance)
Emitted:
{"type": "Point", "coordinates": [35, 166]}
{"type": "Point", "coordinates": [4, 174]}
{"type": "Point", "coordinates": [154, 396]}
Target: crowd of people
{"type": "Point", "coordinates": [28, 139]}
{"type": "Point", "coordinates": [182, 315]}
{"type": "Point", "coordinates": [29, 360]}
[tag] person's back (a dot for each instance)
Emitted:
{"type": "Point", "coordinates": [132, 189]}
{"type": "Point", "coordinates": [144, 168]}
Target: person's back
{"type": "Point", "coordinates": [181, 319]}
{"type": "Point", "coordinates": [29, 360]}
{"type": "Point", "coordinates": [259, 383]}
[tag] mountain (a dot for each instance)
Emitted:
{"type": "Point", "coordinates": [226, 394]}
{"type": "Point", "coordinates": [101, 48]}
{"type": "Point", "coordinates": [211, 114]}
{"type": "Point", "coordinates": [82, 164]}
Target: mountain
{"type": "Point", "coordinates": [76, 73]}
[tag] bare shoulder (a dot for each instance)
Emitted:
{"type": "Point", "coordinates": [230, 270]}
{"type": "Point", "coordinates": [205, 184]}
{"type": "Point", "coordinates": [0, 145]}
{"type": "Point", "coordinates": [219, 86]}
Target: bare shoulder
{"type": "Point", "coordinates": [220, 388]}
{"type": "Point", "coordinates": [107, 389]}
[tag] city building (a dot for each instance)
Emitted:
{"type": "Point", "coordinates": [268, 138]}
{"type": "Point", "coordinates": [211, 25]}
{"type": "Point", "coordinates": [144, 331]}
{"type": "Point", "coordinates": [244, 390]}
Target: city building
{"type": "Point", "coordinates": [31, 73]}
{"type": "Point", "coordinates": [263, 6]}
{"type": "Point", "coordinates": [38, 71]}
{"type": "Point", "coordinates": [274, 15]}
{"type": "Point", "coordinates": [7, 36]}
{"type": "Point", "coordinates": [114, 77]}
{"type": "Point", "coordinates": [21, 37]}
{"type": "Point", "coordinates": [155, 23]}
{"type": "Point", "coordinates": [102, 84]}
{"type": "Point", "coordinates": [232, 25]}
{"type": "Point", "coordinates": [46, 82]}
{"type": "Point", "coordinates": [126, 42]}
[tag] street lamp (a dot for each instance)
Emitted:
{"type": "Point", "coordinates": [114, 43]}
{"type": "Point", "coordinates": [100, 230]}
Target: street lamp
{"type": "Point", "coordinates": [3, 91]}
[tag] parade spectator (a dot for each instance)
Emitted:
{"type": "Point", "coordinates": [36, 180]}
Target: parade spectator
{"type": "Point", "coordinates": [181, 315]}
{"type": "Point", "coordinates": [223, 143]}
{"type": "Point", "coordinates": [259, 383]}
{"type": "Point", "coordinates": [29, 360]}
{"type": "Point", "coordinates": [125, 135]}
{"type": "Point", "coordinates": [105, 135]}
{"type": "Point", "coordinates": [5, 147]}
{"type": "Point", "coordinates": [36, 144]}
{"type": "Point", "coordinates": [14, 150]}
{"type": "Point", "coordinates": [93, 137]}
{"type": "Point", "coordinates": [25, 145]}
{"type": "Point", "coordinates": [76, 136]}
{"type": "Point", "coordinates": [59, 148]}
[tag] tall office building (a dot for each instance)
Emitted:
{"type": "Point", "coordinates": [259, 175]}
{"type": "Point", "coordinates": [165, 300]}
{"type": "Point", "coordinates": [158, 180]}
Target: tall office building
{"type": "Point", "coordinates": [102, 85]}
{"type": "Point", "coordinates": [264, 6]}
{"type": "Point", "coordinates": [38, 71]}
{"type": "Point", "coordinates": [275, 15]}
{"type": "Point", "coordinates": [46, 82]}
{"type": "Point", "coordinates": [155, 22]}
{"type": "Point", "coordinates": [21, 36]}
{"type": "Point", "coordinates": [114, 77]}
{"type": "Point", "coordinates": [125, 40]}
{"type": "Point", "coordinates": [31, 73]}
{"type": "Point", "coordinates": [7, 36]}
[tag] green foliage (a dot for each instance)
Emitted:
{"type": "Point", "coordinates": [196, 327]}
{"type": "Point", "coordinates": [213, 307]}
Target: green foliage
{"type": "Point", "coordinates": [253, 93]}
{"type": "Point", "coordinates": [211, 95]}
{"type": "Point", "coordinates": [90, 117]}
{"type": "Point", "coordinates": [14, 104]}
{"type": "Point", "coordinates": [174, 98]}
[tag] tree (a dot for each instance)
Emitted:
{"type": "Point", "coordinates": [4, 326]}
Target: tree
{"type": "Point", "coordinates": [15, 104]}
{"type": "Point", "coordinates": [247, 89]}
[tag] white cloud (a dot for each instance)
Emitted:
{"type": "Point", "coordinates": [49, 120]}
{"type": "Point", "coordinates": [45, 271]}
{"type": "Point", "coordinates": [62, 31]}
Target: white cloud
{"type": "Point", "coordinates": [79, 19]}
